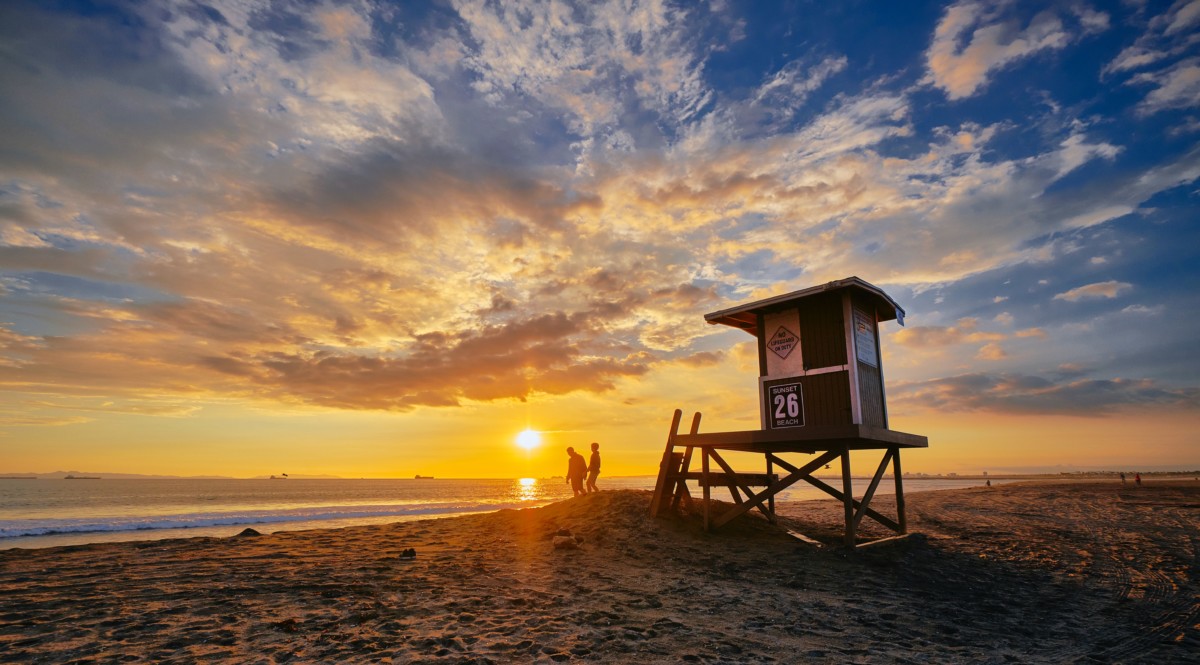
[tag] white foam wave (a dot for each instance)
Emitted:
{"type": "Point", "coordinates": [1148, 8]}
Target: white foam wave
{"type": "Point", "coordinates": [16, 528]}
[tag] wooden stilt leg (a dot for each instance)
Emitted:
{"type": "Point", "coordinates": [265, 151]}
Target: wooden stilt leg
{"type": "Point", "coordinates": [771, 500]}
{"type": "Point", "coordinates": [848, 498]}
{"type": "Point", "coordinates": [900, 516]}
{"type": "Point", "coordinates": [704, 470]}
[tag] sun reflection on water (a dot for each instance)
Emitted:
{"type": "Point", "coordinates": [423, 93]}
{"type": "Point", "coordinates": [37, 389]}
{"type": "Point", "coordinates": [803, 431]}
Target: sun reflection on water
{"type": "Point", "coordinates": [528, 489]}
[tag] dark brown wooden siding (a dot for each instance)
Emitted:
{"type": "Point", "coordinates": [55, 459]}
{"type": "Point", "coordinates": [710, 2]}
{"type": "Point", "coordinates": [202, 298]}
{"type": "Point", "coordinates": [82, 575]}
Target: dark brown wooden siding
{"type": "Point", "coordinates": [827, 399]}
{"type": "Point", "coordinates": [822, 335]}
{"type": "Point", "coordinates": [870, 386]}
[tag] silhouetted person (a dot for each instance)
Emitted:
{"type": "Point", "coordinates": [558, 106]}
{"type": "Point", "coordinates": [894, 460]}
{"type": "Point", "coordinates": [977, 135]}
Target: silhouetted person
{"type": "Point", "coordinates": [1137, 479]}
{"type": "Point", "coordinates": [593, 468]}
{"type": "Point", "coordinates": [1122, 477]}
{"type": "Point", "coordinates": [989, 482]}
{"type": "Point", "coordinates": [576, 470]}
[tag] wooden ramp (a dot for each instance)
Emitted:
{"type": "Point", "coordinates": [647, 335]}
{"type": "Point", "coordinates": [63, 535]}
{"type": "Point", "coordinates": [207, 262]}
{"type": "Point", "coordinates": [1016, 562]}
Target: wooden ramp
{"type": "Point", "coordinates": [826, 443]}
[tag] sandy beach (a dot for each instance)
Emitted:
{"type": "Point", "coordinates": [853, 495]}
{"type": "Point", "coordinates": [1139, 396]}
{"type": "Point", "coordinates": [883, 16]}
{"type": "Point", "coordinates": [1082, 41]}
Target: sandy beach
{"type": "Point", "coordinates": [1038, 572]}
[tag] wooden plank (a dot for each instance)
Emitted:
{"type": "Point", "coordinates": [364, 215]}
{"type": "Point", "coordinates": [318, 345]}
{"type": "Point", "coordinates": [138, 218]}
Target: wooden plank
{"type": "Point", "coordinates": [884, 541]}
{"type": "Point", "coordinates": [808, 439]}
{"type": "Point", "coordinates": [720, 480]}
{"type": "Point", "coordinates": [658, 502]}
{"type": "Point", "coordinates": [801, 537]}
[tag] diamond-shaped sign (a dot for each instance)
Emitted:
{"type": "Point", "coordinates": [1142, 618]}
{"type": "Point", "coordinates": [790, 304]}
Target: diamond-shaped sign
{"type": "Point", "coordinates": [783, 342]}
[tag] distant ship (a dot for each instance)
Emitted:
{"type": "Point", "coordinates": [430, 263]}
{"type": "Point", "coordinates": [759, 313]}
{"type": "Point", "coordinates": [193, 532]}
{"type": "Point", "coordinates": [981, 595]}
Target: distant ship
{"type": "Point", "coordinates": [81, 477]}
{"type": "Point", "coordinates": [283, 477]}
{"type": "Point", "coordinates": [420, 477]}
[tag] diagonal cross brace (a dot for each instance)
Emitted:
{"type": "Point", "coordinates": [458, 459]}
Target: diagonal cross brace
{"type": "Point", "coordinates": [733, 484]}
{"type": "Point", "coordinates": [870, 493]}
{"type": "Point", "coordinates": [888, 522]}
{"type": "Point", "coordinates": [778, 486]}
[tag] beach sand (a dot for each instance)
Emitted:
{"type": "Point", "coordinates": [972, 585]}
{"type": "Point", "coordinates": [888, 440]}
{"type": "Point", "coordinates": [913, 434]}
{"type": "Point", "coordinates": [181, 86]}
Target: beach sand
{"type": "Point", "coordinates": [1044, 573]}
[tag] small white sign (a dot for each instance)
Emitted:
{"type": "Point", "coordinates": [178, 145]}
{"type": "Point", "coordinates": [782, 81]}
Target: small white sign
{"type": "Point", "coordinates": [864, 338]}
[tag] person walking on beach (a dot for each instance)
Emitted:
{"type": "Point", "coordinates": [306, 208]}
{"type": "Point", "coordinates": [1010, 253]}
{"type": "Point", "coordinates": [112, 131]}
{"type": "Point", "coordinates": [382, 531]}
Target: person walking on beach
{"type": "Point", "coordinates": [1122, 477]}
{"type": "Point", "coordinates": [593, 468]}
{"type": "Point", "coordinates": [576, 470]}
{"type": "Point", "coordinates": [1137, 479]}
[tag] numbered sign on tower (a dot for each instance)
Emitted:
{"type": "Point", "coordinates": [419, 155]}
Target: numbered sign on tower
{"type": "Point", "coordinates": [785, 403]}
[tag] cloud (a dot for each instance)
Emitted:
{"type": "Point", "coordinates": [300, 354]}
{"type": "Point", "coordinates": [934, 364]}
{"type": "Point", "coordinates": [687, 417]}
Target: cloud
{"type": "Point", "coordinates": [573, 58]}
{"type": "Point", "coordinates": [133, 407]}
{"type": "Point", "coordinates": [1173, 83]}
{"type": "Point", "coordinates": [1144, 310]}
{"type": "Point", "coordinates": [991, 351]}
{"type": "Point", "coordinates": [314, 66]}
{"type": "Point", "coordinates": [1109, 289]}
{"type": "Point", "coordinates": [1034, 394]}
{"type": "Point", "coordinates": [1177, 86]}
{"type": "Point", "coordinates": [516, 360]}
{"type": "Point", "coordinates": [784, 92]}
{"type": "Point", "coordinates": [940, 336]}
{"type": "Point", "coordinates": [38, 420]}
{"type": "Point", "coordinates": [973, 40]}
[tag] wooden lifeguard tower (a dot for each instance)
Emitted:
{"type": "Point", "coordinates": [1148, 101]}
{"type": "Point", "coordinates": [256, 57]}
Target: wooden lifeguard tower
{"type": "Point", "coordinates": [820, 392]}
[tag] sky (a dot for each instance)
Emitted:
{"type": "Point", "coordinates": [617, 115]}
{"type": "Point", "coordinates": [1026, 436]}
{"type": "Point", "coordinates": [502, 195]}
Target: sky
{"type": "Point", "coordinates": [381, 239]}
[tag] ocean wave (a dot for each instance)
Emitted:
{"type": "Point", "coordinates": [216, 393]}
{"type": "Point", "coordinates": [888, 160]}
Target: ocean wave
{"type": "Point", "coordinates": [45, 527]}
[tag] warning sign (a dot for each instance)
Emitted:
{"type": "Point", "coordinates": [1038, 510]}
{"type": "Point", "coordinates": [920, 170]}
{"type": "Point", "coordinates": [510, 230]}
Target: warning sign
{"type": "Point", "coordinates": [783, 342]}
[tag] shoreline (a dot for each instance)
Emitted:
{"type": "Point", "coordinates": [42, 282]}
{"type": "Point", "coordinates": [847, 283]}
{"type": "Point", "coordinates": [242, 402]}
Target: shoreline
{"type": "Point", "coordinates": [108, 527]}
{"type": "Point", "coordinates": [1036, 572]}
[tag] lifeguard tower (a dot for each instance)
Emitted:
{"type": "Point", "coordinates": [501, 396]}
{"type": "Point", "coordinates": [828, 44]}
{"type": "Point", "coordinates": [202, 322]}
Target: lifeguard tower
{"type": "Point", "coordinates": [820, 393]}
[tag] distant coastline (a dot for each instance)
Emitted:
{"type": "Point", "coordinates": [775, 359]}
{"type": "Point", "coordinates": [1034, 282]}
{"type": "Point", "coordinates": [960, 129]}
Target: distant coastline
{"type": "Point", "coordinates": [1062, 475]}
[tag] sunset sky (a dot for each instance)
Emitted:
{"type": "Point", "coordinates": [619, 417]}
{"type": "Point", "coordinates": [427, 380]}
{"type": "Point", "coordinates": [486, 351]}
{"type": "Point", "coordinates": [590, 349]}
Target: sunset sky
{"type": "Point", "coordinates": [381, 239]}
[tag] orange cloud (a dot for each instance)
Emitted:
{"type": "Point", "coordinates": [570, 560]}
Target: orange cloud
{"type": "Point", "coordinates": [937, 336]}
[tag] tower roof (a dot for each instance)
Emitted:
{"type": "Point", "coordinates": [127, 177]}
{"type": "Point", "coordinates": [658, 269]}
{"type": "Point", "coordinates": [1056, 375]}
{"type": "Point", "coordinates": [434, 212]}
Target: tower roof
{"type": "Point", "coordinates": [745, 317]}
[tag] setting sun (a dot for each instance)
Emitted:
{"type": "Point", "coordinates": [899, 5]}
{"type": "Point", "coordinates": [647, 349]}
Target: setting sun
{"type": "Point", "coordinates": [529, 439]}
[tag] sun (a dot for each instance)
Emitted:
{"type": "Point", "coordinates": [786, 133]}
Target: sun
{"type": "Point", "coordinates": [529, 439]}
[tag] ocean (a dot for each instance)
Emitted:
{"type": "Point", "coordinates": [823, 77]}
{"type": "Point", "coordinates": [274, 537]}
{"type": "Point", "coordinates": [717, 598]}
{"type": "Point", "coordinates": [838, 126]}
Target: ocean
{"type": "Point", "coordinates": [52, 512]}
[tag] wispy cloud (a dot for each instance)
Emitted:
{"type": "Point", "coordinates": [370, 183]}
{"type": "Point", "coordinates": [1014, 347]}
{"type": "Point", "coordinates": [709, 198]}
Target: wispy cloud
{"type": "Point", "coordinates": [973, 40]}
{"type": "Point", "coordinates": [1037, 394]}
{"type": "Point", "coordinates": [1109, 289]}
